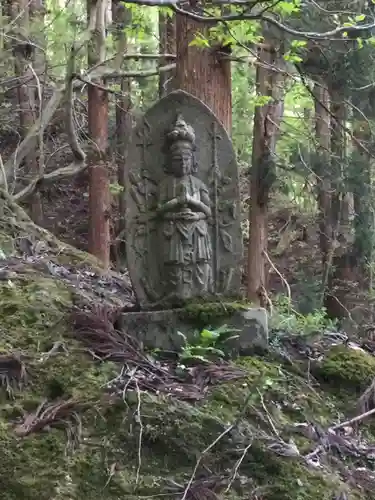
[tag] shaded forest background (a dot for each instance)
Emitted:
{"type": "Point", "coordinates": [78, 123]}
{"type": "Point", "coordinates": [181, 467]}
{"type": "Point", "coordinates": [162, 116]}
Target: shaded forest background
{"type": "Point", "coordinates": [292, 82]}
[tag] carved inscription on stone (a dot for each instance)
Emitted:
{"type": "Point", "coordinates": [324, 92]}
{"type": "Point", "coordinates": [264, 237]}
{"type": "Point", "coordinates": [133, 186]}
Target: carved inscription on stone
{"type": "Point", "coordinates": [184, 237]}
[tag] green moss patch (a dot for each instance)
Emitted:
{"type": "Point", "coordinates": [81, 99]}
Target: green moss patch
{"type": "Point", "coordinates": [204, 313]}
{"type": "Point", "coordinates": [347, 368]}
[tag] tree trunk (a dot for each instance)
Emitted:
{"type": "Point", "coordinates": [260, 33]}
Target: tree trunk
{"type": "Point", "coordinates": [338, 158]}
{"type": "Point", "coordinates": [121, 17]}
{"type": "Point", "coordinates": [203, 72]}
{"type": "Point", "coordinates": [29, 93]}
{"type": "Point", "coordinates": [167, 45]}
{"type": "Point", "coordinates": [321, 165]}
{"type": "Point", "coordinates": [99, 195]}
{"type": "Point", "coordinates": [339, 262]}
{"type": "Point", "coordinates": [266, 122]}
{"type": "Point", "coordinates": [362, 187]}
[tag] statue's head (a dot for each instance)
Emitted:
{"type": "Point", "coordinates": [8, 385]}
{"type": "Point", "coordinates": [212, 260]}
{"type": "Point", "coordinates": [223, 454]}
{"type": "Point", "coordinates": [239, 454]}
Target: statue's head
{"type": "Point", "coordinates": [181, 146]}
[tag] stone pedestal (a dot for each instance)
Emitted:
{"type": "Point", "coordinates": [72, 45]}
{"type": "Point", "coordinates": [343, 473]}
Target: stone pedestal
{"type": "Point", "coordinates": [158, 329]}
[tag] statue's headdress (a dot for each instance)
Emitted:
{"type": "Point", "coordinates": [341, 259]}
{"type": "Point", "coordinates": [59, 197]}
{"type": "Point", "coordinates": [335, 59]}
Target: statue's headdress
{"type": "Point", "coordinates": [181, 131]}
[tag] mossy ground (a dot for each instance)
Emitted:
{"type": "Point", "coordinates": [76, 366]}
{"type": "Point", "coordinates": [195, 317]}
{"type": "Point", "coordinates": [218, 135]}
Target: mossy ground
{"type": "Point", "coordinates": [148, 444]}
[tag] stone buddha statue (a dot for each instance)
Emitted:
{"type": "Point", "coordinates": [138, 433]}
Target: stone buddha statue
{"type": "Point", "coordinates": [183, 210]}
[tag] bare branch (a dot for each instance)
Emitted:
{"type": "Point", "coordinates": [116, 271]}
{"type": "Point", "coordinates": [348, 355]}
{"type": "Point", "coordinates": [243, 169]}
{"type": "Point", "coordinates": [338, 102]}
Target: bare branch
{"type": "Point", "coordinates": [112, 73]}
{"type": "Point", "coordinates": [28, 142]}
{"type": "Point", "coordinates": [77, 151]}
{"type": "Point", "coordinates": [269, 19]}
{"type": "Point", "coordinates": [55, 176]}
{"type": "Point", "coordinates": [79, 164]}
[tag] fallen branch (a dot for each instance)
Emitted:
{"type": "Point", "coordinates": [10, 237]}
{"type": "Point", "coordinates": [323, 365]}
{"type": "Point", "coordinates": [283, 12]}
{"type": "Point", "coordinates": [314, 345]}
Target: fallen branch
{"type": "Point", "coordinates": [353, 420]}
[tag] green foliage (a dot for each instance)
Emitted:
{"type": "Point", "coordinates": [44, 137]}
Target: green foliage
{"type": "Point", "coordinates": [207, 344]}
{"type": "Point", "coordinates": [286, 320]}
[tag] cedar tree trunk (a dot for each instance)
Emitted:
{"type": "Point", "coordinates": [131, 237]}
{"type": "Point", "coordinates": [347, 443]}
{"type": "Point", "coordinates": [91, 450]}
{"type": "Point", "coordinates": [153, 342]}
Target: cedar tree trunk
{"type": "Point", "coordinates": [266, 122]}
{"type": "Point", "coordinates": [322, 133]}
{"type": "Point", "coordinates": [122, 17]}
{"type": "Point", "coordinates": [167, 45]}
{"type": "Point", "coordinates": [204, 72]}
{"type": "Point", "coordinates": [99, 196]}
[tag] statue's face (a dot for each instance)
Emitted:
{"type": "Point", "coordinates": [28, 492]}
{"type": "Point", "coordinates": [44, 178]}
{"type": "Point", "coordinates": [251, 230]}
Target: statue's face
{"type": "Point", "coordinates": [182, 159]}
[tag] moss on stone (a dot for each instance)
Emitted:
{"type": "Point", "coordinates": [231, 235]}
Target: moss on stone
{"type": "Point", "coordinates": [347, 368]}
{"type": "Point", "coordinates": [206, 313]}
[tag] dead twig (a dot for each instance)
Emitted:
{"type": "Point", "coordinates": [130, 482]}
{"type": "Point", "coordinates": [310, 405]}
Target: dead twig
{"type": "Point", "coordinates": [213, 444]}
{"type": "Point", "coordinates": [275, 431]}
{"type": "Point", "coordinates": [289, 293]}
{"type": "Point", "coordinates": [237, 466]}
{"type": "Point", "coordinates": [138, 420]}
{"type": "Point", "coordinates": [49, 414]}
{"type": "Point", "coordinates": [353, 420]}
{"type": "Point", "coordinates": [12, 372]}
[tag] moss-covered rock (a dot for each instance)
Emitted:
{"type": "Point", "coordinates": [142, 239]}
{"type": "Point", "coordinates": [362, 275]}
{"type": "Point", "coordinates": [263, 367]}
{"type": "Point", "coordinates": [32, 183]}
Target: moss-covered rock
{"type": "Point", "coordinates": [347, 368]}
{"type": "Point", "coordinates": [205, 313]}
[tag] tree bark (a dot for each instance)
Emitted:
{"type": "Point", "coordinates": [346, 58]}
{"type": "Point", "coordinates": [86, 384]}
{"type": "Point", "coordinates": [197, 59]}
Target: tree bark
{"type": "Point", "coordinates": [99, 195]}
{"type": "Point", "coordinates": [321, 166]}
{"type": "Point", "coordinates": [29, 93]}
{"type": "Point", "coordinates": [204, 72]}
{"type": "Point", "coordinates": [338, 157]}
{"type": "Point", "coordinates": [121, 17]}
{"type": "Point", "coordinates": [167, 45]}
{"type": "Point", "coordinates": [362, 191]}
{"type": "Point", "coordinates": [339, 265]}
{"type": "Point", "coordinates": [266, 122]}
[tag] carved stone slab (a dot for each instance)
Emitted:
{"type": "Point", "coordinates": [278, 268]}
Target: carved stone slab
{"type": "Point", "coordinates": [184, 235]}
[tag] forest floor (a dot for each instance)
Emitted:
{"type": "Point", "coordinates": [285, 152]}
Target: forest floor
{"type": "Point", "coordinates": [86, 413]}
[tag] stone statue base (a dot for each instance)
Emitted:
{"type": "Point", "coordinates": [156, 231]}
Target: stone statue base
{"type": "Point", "coordinates": [158, 329]}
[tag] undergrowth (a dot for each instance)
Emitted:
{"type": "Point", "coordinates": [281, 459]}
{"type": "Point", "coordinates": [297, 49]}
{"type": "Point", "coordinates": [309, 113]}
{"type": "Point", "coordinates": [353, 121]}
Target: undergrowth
{"type": "Point", "coordinates": [287, 320]}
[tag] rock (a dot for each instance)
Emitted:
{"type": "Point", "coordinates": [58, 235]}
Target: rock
{"type": "Point", "coordinates": [158, 329]}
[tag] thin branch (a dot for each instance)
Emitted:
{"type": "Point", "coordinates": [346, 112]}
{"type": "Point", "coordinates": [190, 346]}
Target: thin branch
{"type": "Point", "coordinates": [51, 178]}
{"type": "Point", "coordinates": [280, 276]}
{"type": "Point", "coordinates": [271, 20]}
{"type": "Point", "coordinates": [112, 73]}
{"type": "Point", "coordinates": [3, 174]}
{"type": "Point", "coordinates": [214, 443]}
{"type": "Point", "coordinates": [237, 466]}
{"type": "Point", "coordinates": [353, 420]}
{"type": "Point", "coordinates": [77, 151]}
{"type": "Point", "coordinates": [139, 422]}
{"type": "Point", "coordinates": [26, 146]}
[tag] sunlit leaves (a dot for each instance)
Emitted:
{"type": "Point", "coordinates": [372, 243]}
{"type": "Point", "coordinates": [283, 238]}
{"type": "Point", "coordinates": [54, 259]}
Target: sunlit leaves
{"type": "Point", "coordinates": [262, 100]}
{"type": "Point", "coordinates": [294, 53]}
{"type": "Point", "coordinates": [286, 8]}
{"type": "Point", "coordinates": [199, 40]}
